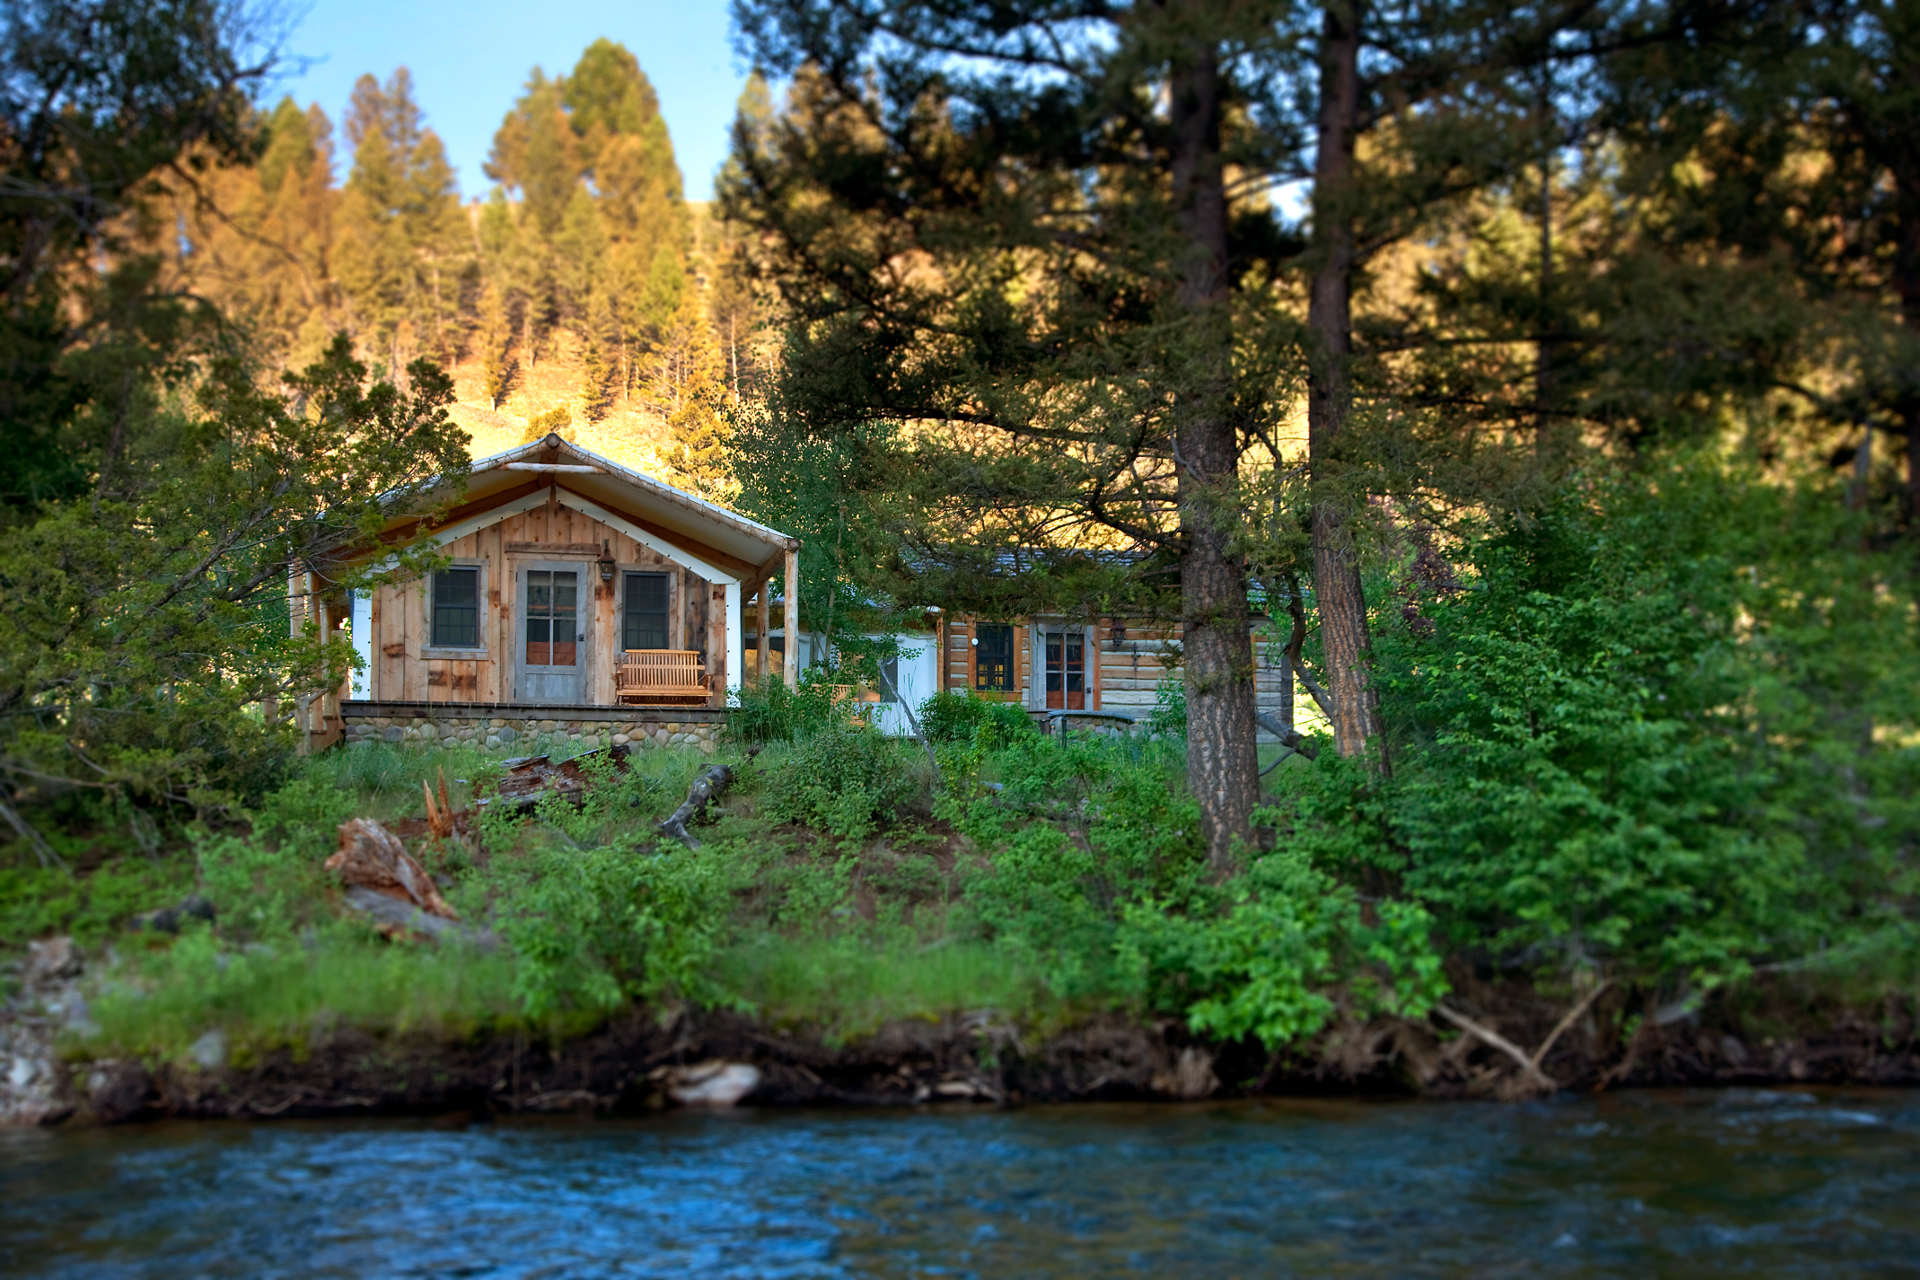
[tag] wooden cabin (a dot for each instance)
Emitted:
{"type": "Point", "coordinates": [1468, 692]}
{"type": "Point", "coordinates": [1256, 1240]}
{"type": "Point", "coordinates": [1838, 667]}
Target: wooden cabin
{"type": "Point", "coordinates": [1110, 665]}
{"type": "Point", "coordinates": [571, 583]}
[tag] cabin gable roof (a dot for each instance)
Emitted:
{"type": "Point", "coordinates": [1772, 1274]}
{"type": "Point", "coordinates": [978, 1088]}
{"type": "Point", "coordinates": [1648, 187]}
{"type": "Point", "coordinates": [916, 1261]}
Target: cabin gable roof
{"type": "Point", "coordinates": [682, 525]}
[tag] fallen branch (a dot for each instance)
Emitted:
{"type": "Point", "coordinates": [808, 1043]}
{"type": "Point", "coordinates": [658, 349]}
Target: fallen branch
{"type": "Point", "coordinates": [1495, 1040]}
{"type": "Point", "coordinates": [35, 841]}
{"type": "Point", "coordinates": [1572, 1015]}
{"type": "Point", "coordinates": [1290, 740]}
{"type": "Point", "coordinates": [713, 780]}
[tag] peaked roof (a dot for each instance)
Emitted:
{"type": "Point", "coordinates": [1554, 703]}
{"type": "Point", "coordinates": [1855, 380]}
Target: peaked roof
{"type": "Point", "coordinates": [599, 478]}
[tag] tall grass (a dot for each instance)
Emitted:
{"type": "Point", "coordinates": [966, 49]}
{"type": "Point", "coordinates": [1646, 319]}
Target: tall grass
{"type": "Point", "coordinates": [264, 999]}
{"type": "Point", "coordinates": [847, 985]}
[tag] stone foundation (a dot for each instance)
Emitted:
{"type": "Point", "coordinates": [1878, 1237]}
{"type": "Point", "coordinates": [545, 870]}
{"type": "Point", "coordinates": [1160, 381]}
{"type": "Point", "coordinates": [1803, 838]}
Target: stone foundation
{"type": "Point", "coordinates": [530, 728]}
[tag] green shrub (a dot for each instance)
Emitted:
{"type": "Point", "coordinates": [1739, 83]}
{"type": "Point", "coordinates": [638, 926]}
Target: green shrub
{"type": "Point", "coordinates": [36, 901]}
{"type": "Point", "coordinates": [848, 782]}
{"type": "Point", "coordinates": [595, 928]}
{"type": "Point", "coordinates": [768, 711]}
{"type": "Point", "coordinates": [1290, 950]}
{"type": "Point", "coordinates": [956, 717]}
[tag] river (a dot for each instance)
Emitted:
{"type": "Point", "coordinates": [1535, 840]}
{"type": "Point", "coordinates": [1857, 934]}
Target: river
{"type": "Point", "coordinates": [1760, 1182]}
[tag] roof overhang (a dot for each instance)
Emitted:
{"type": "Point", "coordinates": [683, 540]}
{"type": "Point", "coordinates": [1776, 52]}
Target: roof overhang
{"type": "Point", "coordinates": [677, 513]}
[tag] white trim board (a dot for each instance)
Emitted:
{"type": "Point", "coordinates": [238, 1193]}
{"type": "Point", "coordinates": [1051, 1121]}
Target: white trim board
{"type": "Point", "coordinates": [685, 559]}
{"type": "Point", "coordinates": [736, 646]}
{"type": "Point", "coordinates": [474, 524]}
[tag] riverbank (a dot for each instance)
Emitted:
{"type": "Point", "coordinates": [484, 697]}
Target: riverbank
{"type": "Point", "coordinates": [640, 1062]}
{"type": "Point", "coordinates": [1031, 921]}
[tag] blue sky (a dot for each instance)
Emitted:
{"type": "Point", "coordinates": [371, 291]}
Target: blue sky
{"type": "Point", "coordinates": [469, 60]}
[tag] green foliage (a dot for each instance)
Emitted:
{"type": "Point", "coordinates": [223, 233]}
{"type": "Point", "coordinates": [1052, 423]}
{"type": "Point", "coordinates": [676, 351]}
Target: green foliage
{"type": "Point", "coordinates": [952, 716]}
{"type": "Point", "coordinates": [1291, 950]}
{"type": "Point", "coordinates": [296, 995]}
{"type": "Point", "coordinates": [158, 623]}
{"type": "Point", "coordinates": [1622, 749]}
{"type": "Point", "coordinates": [1079, 833]}
{"type": "Point", "coordinates": [768, 711]}
{"type": "Point", "coordinates": [38, 901]}
{"type": "Point", "coordinates": [848, 782]}
{"type": "Point", "coordinates": [598, 927]}
{"type": "Point", "coordinates": [1169, 715]}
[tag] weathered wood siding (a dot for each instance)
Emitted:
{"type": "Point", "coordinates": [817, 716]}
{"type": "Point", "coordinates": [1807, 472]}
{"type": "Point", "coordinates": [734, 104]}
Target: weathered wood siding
{"type": "Point", "coordinates": [404, 672]}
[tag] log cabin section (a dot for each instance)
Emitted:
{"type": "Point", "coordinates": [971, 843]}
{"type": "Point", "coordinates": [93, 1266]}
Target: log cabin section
{"type": "Point", "coordinates": [1108, 664]}
{"type": "Point", "coordinates": [559, 562]}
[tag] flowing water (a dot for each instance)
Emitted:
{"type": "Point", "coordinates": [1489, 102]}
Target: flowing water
{"type": "Point", "coordinates": [1745, 1182]}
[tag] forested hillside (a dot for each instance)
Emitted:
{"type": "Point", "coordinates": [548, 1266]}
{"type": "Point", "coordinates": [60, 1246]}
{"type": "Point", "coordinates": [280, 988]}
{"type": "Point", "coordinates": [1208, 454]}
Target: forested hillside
{"type": "Point", "coordinates": [582, 289]}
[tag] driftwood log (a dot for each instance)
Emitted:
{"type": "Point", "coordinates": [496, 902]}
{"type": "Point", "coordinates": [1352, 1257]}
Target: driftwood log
{"type": "Point", "coordinates": [713, 780]}
{"type": "Point", "coordinates": [528, 779]}
{"type": "Point", "coordinates": [394, 917]}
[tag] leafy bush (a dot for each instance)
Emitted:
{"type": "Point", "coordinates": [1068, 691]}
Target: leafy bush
{"type": "Point", "coordinates": [1290, 950]}
{"type": "Point", "coordinates": [1601, 765]}
{"type": "Point", "coordinates": [1080, 830]}
{"type": "Point", "coordinates": [768, 712]}
{"type": "Point", "coordinates": [956, 718]}
{"type": "Point", "coordinates": [848, 781]}
{"type": "Point", "coordinates": [594, 928]}
{"type": "Point", "coordinates": [1169, 715]}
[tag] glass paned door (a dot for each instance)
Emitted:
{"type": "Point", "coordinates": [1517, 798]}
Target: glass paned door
{"type": "Point", "coordinates": [1066, 663]}
{"type": "Point", "coordinates": [552, 651]}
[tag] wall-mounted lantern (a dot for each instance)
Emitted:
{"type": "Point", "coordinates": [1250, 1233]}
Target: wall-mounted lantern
{"type": "Point", "coordinates": [606, 562]}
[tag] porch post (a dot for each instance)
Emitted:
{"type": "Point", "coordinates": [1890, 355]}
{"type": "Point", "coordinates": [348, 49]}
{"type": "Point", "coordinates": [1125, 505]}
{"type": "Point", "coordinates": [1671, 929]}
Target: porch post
{"type": "Point", "coordinates": [791, 618]}
{"type": "Point", "coordinates": [765, 642]}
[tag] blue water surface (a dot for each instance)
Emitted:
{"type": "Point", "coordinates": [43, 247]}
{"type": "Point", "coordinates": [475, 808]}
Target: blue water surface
{"type": "Point", "coordinates": [1723, 1183]}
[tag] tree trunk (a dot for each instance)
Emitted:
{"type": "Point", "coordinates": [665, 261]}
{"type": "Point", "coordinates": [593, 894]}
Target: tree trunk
{"type": "Point", "coordinates": [1222, 763]}
{"type": "Point", "coordinates": [1336, 570]}
{"type": "Point", "coordinates": [1906, 281]}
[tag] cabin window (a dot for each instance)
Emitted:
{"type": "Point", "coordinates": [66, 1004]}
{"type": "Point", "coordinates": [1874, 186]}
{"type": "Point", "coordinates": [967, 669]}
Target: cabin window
{"type": "Point", "coordinates": [643, 617]}
{"type": "Point", "coordinates": [993, 658]}
{"type": "Point", "coordinates": [454, 601]}
{"type": "Point", "coordinates": [552, 617]}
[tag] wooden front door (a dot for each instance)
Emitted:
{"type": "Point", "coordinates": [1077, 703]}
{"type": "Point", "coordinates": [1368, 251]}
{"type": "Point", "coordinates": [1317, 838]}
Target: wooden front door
{"type": "Point", "coordinates": [550, 651]}
{"type": "Point", "coordinates": [1066, 664]}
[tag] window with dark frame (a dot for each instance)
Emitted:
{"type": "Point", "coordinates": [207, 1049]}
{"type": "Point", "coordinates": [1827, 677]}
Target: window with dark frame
{"type": "Point", "coordinates": [643, 613]}
{"type": "Point", "coordinates": [993, 658]}
{"type": "Point", "coordinates": [455, 597]}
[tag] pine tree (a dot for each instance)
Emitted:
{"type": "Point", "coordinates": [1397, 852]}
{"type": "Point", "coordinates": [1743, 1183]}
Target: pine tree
{"type": "Point", "coordinates": [404, 244]}
{"type": "Point", "coordinates": [689, 393]}
{"type": "Point", "coordinates": [596, 364]}
{"type": "Point", "coordinates": [495, 340]}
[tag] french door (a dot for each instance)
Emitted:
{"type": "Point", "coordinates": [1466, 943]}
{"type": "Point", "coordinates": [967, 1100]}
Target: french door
{"type": "Point", "coordinates": [1065, 657]}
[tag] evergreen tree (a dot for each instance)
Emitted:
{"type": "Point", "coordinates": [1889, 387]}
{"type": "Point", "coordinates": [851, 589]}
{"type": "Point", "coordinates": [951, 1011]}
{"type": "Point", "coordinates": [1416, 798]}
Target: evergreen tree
{"type": "Point", "coordinates": [495, 340]}
{"type": "Point", "coordinates": [688, 391]}
{"type": "Point", "coordinates": [404, 243]}
{"type": "Point", "coordinates": [597, 366]}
